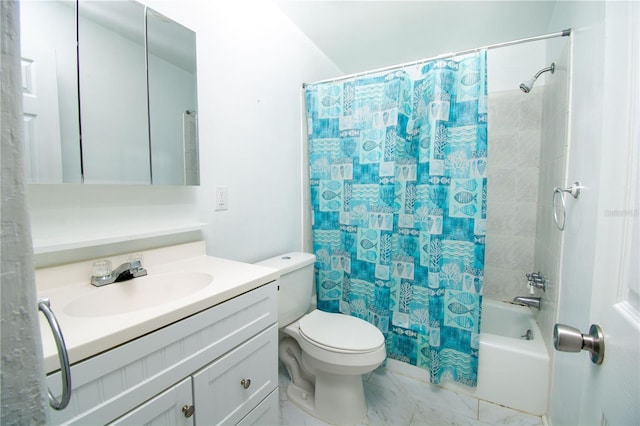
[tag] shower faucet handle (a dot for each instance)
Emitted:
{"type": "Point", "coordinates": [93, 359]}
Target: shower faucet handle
{"type": "Point", "coordinates": [535, 279]}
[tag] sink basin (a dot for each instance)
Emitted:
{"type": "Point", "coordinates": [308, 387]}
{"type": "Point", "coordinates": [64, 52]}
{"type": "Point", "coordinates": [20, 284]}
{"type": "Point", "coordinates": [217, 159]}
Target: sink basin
{"type": "Point", "coordinates": [137, 294]}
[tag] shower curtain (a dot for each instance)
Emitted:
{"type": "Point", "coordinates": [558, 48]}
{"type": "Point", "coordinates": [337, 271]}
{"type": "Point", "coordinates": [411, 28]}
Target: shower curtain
{"type": "Point", "coordinates": [398, 191]}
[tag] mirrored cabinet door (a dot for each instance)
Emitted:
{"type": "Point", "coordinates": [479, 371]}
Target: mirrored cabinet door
{"type": "Point", "coordinates": [113, 92]}
{"type": "Point", "coordinates": [171, 55]}
{"type": "Point", "coordinates": [50, 91]}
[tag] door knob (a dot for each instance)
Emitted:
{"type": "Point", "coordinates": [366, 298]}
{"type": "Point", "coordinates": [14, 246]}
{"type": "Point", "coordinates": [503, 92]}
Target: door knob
{"type": "Point", "coordinates": [570, 339]}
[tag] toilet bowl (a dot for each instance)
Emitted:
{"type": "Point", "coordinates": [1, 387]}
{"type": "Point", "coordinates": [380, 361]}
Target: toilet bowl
{"type": "Point", "coordinates": [324, 353]}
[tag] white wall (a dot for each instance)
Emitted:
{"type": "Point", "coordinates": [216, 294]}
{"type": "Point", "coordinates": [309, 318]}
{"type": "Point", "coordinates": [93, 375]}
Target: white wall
{"type": "Point", "coordinates": [251, 63]}
{"type": "Point", "coordinates": [587, 87]}
{"type": "Point", "coordinates": [512, 65]}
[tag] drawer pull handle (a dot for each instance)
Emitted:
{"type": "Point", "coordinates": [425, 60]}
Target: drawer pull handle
{"type": "Point", "coordinates": [245, 383]}
{"type": "Point", "coordinates": [188, 410]}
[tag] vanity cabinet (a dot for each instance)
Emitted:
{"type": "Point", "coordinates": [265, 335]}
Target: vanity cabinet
{"type": "Point", "coordinates": [222, 361]}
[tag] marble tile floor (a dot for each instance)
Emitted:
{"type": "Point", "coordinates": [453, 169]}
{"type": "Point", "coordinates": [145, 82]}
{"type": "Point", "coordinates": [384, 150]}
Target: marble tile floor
{"type": "Point", "coordinates": [395, 399]}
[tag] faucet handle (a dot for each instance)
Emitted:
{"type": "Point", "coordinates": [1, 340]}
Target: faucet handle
{"type": "Point", "coordinates": [536, 280]}
{"type": "Point", "coordinates": [139, 257]}
{"type": "Point", "coordinates": [102, 272]}
{"type": "Point", "coordinates": [101, 268]}
{"type": "Point", "coordinates": [135, 262]}
{"type": "Point", "coordinates": [533, 276]}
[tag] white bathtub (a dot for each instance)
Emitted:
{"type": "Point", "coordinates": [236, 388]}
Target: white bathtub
{"type": "Point", "coordinates": [512, 371]}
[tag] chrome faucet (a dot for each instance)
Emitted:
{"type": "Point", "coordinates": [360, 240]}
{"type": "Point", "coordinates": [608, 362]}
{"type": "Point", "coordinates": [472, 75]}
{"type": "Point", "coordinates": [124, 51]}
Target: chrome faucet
{"type": "Point", "coordinates": [533, 302]}
{"type": "Point", "coordinates": [124, 272]}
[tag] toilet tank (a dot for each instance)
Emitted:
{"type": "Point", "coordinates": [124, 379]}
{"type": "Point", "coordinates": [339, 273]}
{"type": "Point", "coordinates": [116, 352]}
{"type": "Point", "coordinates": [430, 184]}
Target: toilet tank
{"type": "Point", "coordinates": [295, 286]}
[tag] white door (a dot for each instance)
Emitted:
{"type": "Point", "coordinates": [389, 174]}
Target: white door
{"type": "Point", "coordinates": [611, 391]}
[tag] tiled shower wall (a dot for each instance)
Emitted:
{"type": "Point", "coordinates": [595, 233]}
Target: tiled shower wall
{"type": "Point", "coordinates": [553, 160]}
{"type": "Point", "coordinates": [512, 171]}
{"type": "Point", "coordinates": [527, 159]}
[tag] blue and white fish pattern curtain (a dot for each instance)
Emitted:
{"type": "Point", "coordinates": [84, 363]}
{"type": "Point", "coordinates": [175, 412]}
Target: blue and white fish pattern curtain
{"type": "Point", "coordinates": [398, 192]}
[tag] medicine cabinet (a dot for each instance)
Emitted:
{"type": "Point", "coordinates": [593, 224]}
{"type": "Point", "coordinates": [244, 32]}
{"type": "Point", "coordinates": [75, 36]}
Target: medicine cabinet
{"type": "Point", "coordinates": [109, 94]}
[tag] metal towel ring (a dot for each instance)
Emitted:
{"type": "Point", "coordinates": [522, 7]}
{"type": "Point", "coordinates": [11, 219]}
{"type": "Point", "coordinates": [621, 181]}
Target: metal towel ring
{"type": "Point", "coordinates": [65, 368]}
{"type": "Point", "coordinates": [574, 190]}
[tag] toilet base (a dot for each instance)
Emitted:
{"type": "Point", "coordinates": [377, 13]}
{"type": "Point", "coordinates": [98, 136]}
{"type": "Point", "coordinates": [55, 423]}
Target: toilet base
{"type": "Point", "coordinates": [337, 399]}
{"type": "Point", "coordinates": [327, 383]}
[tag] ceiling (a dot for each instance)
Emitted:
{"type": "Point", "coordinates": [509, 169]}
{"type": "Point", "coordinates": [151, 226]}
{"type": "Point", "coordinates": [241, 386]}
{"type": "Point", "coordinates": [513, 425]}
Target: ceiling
{"type": "Point", "coordinates": [364, 35]}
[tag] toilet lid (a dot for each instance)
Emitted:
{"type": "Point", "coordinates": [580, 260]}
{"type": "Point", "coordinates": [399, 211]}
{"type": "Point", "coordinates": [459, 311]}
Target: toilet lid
{"type": "Point", "coordinates": [342, 332]}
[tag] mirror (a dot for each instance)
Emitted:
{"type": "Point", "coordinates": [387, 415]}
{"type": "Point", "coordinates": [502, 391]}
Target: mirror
{"type": "Point", "coordinates": [171, 55]}
{"type": "Point", "coordinates": [119, 109]}
{"type": "Point", "coordinates": [50, 91]}
{"type": "Point", "coordinates": [113, 92]}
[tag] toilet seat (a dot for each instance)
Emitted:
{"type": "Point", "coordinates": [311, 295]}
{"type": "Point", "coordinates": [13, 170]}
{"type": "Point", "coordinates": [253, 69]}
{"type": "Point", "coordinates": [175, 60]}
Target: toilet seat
{"type": "Point", "coordinates": [340, 333]}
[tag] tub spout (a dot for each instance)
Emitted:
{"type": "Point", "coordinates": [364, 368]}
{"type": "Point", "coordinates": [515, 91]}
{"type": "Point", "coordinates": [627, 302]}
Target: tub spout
{"type": "Point", "coordinates": [533, 302]}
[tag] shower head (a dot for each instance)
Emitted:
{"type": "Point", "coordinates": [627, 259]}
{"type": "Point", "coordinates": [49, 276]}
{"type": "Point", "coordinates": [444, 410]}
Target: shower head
{"type": "Point", "coordinates": [528, 85]}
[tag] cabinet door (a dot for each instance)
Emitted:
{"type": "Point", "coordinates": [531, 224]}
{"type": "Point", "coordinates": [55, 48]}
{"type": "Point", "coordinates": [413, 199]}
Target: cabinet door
{"type": "Point", "coordinates": [50, 91]}
{"type": "Point", "coordinates": [229, 388]}
{"type": "Point", "coordinates": [113, 92]}
{"type": "Point", "coordinates": [163, 410]}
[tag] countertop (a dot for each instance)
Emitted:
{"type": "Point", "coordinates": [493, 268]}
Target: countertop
{"type": "Point", "coordinates": [89, 335]}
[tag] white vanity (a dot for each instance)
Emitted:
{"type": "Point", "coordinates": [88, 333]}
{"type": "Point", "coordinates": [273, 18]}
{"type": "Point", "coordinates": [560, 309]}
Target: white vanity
{"type": "Point", "coordinates": [207, 355]}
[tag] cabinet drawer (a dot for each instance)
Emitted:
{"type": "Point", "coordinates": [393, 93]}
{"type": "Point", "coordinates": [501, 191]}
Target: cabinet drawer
{"type": "Point", "coordinates": [163, 410]}
{"type": "Point", "coordinates": [221, 390]}
{"type": "Point", "coordinates": [267, 413]}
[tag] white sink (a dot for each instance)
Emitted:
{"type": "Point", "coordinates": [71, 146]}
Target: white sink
{"type": "Point", "coordinates": [137, 294]}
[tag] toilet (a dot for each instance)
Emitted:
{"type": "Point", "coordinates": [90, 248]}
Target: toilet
{"type": "Point", "coordinates": [325, 353]}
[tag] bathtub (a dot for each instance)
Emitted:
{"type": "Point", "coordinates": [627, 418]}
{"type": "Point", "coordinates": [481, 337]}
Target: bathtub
{"type": "Point", "coordinates": [512, 371]}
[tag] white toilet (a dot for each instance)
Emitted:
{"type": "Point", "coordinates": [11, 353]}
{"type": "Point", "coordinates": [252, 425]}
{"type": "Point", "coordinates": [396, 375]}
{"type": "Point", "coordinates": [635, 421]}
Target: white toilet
{"type": "Point", "coordinates": [324, 353]}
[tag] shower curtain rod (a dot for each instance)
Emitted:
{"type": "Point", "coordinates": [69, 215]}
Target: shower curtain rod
{"type": "Point", "coordinates": [563, 33]}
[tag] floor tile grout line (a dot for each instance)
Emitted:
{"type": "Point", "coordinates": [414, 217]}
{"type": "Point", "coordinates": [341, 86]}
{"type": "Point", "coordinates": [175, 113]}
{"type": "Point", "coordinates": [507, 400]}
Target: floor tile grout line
{"type": "Point", "coordinates": [413, 413]}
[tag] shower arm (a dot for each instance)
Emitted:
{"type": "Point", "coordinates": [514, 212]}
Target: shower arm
{"type": "Point", "coordinates": [551, 68]}
{"type": "Point", "coordinates": [528, 85]}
